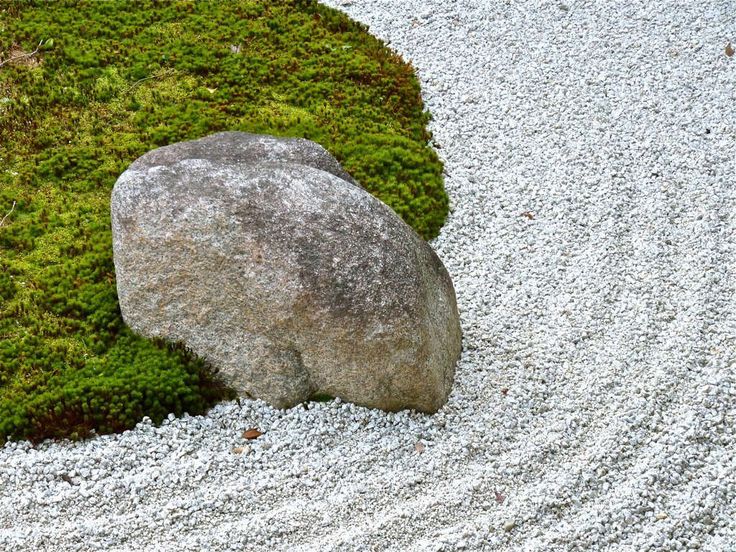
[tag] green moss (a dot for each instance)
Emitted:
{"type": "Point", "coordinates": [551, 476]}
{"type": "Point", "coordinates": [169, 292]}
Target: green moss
{"type": "Point", "coordinates": [321, 397]}
{"type": "Point", "coordinates": [120, 79]}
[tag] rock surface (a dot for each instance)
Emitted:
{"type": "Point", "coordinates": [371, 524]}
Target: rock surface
{"type": "Point", "coordinates": [263, 256]}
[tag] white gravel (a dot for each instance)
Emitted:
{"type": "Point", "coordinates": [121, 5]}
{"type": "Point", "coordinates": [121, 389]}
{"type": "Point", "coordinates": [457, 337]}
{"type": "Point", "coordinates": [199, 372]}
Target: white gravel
{"type": "Point", "coordinates": [590, 151]}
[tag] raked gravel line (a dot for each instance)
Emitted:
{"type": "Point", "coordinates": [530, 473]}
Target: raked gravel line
{"type": "Point", "coordinates": [590, 155]}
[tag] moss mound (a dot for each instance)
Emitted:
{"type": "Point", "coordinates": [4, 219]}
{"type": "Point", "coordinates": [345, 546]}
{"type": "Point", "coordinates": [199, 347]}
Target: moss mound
{"type": "Point", "coordinates": [112, 80]}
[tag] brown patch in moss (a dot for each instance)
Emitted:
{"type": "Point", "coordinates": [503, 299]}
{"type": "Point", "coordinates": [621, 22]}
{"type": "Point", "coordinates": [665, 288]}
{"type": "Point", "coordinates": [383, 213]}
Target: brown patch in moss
{"type": "Point", "coordinates": [18, 56]}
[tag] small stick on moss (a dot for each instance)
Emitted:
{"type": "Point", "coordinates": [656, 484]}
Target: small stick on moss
{"type": "Point", "coordinates": [159, 75]}
{"type": "Point", "coordinates": [23, 56]}
{"type": "Point", "coordinates": [6, 216]}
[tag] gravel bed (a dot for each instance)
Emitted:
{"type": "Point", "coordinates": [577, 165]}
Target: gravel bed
{"type": "Point", "coordinates": [590, 153]}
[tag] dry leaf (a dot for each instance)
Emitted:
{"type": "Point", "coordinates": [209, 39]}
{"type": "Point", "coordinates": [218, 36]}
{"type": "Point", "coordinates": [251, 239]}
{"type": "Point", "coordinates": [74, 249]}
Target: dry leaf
{"type": "Point", "coordinates": [528, 214]}
{"type": "Point", "coordinates": [419, 447]}
{"type": "Point", "coordinates": [66, 478]}
{"type": "Point", "coordinates": [252, 433]}
{"type": "Point", "coordinates": [238, 450]}
{"type": "Point", "coordinates": [729, 50]}
{"type": "Point", "coordinates": [499, 497]}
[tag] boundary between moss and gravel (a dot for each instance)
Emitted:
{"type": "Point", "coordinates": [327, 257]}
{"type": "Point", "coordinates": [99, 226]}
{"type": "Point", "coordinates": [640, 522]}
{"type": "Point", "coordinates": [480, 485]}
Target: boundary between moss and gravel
{"type": "Point", "coordinates": [103, 86]}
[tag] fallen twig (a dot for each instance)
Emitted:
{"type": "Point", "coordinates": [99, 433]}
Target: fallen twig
{"type": "Point", "coordinates": [6, 216]}
{"type": "Point", "coordinates": [160, 75]}
{"type": "Point", "coordinates": [23, 56]}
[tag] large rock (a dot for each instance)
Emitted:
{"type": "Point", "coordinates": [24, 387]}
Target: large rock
{"type": "Point", "coordinates": [264, 258]}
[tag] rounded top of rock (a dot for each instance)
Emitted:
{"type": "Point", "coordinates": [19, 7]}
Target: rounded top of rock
{"type": "Point", "coordinates": [244, 148]}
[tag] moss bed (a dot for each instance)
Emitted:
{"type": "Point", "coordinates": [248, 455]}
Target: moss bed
{"type": "Point", "coordinates": [112, 80]}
